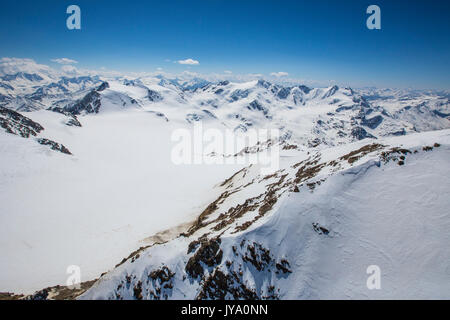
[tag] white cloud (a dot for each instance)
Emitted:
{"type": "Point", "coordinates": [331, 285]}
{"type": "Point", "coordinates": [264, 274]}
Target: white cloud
{"type": "Point", "coordinates": [189, 62]}
{"type": "Point", "coordinates": [190, 73]}
{"type": "Point", "coordinates": [279, 74]}
{"type": "Point", "coordinates": [14, 65]}
{"type": "Point", "coordinates": [228, 72]}
{"type": "Point", "coordinates": [69, 69]}
{"type": "Point", "coordinates": [255, 75]}
{"type": "Point", "coordinates": [64, 61]}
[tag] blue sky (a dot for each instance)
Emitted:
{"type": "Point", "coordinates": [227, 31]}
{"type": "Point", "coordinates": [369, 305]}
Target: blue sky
{"type": "Point", "coordinates": [316, 40]}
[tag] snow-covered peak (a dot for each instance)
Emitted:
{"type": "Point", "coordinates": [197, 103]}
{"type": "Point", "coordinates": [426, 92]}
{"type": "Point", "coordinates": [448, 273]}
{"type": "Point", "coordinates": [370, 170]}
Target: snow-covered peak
{"type": "Point", "coordinates": [265, 236]}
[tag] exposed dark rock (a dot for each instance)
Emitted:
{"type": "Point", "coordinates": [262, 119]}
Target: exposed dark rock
{"type": "Point", "coordinates": [227, 281]}
{"type": "Point", "coordinates": [372, 123]}
{"type": "Point", "coordinates": [16, 128]}
{"type": "Point", "coordinates": [219, 286]}
{"type": "Point", "coordinates": [314, 143]}
{"type": "Point", "coordinates": [255, 105]}
{"type": "Point", "coordinates": [401, 132]}
{"type": "Point", "coordinates": [17, 117]}
{"type": "Point", "coordinates": [209, 113]}
{"type": "Point", "coordinates": [154, 96]}
{"type": "Point", "coordinates": [360, 133]}
{"type": "Point", "coordinates": [194, 244]}
{"type": "Point", "coordinates": [361, 101]}
{"type": "Point", "coordinates": [343, 108]}
{"type": "Point", "coordinates": [394, 154]}
{"type": "Point", "coordinates": [60, 292]}
{"type": "Point", "coordinates": [39, 295]}
{"type": "Point", "coordinates": [4, 99]}
{"type": "Point", "coordinates": [160, 114]}
{"type": "Point", "coordinates": [264, 84]}
{"type": "Point", "coordinates": [283, 266]}
{"type": "Point", "coordinates": [54, 145]}
{"type": "Point", "coordinates": [72, 121]}
{"type": "Point", "coordinates": [283, 93]}
{"type": "Point", "coordinates": [239, 94]}
{"type": "Point", "coordinates": [209, 254]}
{"type": "Point", "coordinates": [78, 80]}
{"type": "Point", "coordinates": [163, 274]}
{"type": "Point", "coordinates": [441, 114]}
{"type": "Point", "coordinates": [330, 92]}
{"type": "Point", "coordinates": [361, 152]}
{"type": "Point", "coordinates": [15, 123]}
{"type": "Point", "coordinates": [90, 103]}
{"type": "Point", "coordinates": [137, 291]}
{"type": "Point", "coordinates": [103, 86]}
{"type": "Point", "coordinates": [10, 296]}
{"type": "Point", "coordinates": [193, 117]}
{"type": "Point", "coordinates": [305, 89]}
{"type": "Point", "coordinates": [162, 283]}
{"type": "Point", "coordinates": [320, 229]}
{"type": "Point", "coordinates": [45, 91]}
{"type": "Point", "coordinates": [258, 256]}
{"type": "Point", "coordinates": [240, 127]}
{"type": "Point", "coordinates": [6, 86]}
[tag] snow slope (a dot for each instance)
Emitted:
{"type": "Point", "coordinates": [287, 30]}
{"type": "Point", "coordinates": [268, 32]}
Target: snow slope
{"type": "Point", "coordinates": [95, 207]}
{"type": "Point", "coordinates": [117, 190]}
{"type": "Point", "coordinates": [316, 242]}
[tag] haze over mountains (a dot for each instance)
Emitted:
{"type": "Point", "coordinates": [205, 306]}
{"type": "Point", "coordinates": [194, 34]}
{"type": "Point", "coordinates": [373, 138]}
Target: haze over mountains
{"type": "Point", "coordinates": [87, 179]}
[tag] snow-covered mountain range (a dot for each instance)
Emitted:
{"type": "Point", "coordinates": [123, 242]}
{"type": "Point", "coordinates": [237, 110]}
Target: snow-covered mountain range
{"type": "Point", "coordinates": [87, 179]}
